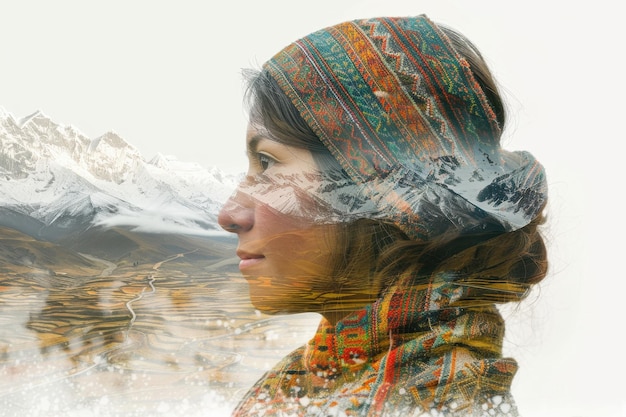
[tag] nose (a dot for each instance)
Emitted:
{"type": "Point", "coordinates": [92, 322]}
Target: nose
{"type": "Point", "coordinates": [237, 215]}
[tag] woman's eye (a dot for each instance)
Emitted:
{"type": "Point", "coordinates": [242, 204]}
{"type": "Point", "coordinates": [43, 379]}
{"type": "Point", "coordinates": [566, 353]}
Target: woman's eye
{"type": "Point", "coordinates": [265, 161]}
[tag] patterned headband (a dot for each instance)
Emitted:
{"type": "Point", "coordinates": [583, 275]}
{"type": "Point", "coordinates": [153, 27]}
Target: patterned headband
{"type": "Point", "coordinates": [401, 111]}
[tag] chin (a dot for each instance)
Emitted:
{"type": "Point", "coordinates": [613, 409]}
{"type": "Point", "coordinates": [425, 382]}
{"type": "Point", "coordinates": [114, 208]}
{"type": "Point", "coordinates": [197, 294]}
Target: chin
{"type": "Point", "coordinates": [266, 309]}
{"type": "Point", "coordinates": [273, 307]}
{"type": "Point", "coordinates": [264, 304]}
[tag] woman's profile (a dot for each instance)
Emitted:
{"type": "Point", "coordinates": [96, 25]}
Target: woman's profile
{"type": "Point", "coordinates": [378, 195]}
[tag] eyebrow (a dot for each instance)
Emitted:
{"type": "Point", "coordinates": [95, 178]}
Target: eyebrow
{"type": "Point", "coordinates": [253, 144]}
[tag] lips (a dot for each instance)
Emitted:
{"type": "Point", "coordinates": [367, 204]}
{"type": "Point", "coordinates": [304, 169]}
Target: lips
{"type": "Point", "coordinates": [249, 260]}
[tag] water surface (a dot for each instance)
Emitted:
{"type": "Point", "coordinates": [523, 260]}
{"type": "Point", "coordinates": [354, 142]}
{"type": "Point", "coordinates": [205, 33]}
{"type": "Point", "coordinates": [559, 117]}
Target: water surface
{"type": "Point", "coordinates": [174, 337]}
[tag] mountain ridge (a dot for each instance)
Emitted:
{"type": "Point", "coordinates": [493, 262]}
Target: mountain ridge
{"type": "Point", "coordinates": [59, 177]}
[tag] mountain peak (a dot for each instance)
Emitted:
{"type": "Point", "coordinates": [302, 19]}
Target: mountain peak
{"type": "Point", "coordinates": [113, 140]}
{"type": "Point", "coordinates": [4, 114]}
{"type": "Point", "coordinates": [50, 168]}
{"type": "Point", "coordinates": [158, 160]}
{"type": "Point", "coordinates": [36, 115]}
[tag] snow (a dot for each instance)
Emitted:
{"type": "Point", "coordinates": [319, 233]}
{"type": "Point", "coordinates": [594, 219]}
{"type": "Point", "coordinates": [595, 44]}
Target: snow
{"type": "Point", "coordinates": [49, 171]}
{"type": "Point", "coordinates": [26, 119]}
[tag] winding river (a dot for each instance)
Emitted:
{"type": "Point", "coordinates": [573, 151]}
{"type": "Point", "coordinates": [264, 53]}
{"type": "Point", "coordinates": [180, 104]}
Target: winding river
{"type": "Point", "coordinates": [175, 337]}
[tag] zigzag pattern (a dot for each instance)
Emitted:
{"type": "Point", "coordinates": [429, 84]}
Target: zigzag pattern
{"type": "Point", "coordinates": [421, 364]}
{"type": "Point", "coordinates": [417, 62]}
{"type": "Point", "coordinates": [392, 93]}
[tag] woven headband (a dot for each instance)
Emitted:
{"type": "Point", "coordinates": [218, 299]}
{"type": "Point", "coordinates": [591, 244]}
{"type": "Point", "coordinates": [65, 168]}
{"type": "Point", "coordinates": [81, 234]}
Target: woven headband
{"type": "Point", "coordinates": [401, 111]}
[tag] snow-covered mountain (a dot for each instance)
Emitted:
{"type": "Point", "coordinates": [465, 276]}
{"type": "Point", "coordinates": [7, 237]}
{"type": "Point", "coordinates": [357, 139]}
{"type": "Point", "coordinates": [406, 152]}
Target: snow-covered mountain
{"type": "Point", "coordinates": [54, 178]}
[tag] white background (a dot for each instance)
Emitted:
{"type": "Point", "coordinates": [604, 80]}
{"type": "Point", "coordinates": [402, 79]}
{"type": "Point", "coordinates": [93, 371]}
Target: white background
{"type": "Point", "coordinates": [165, 75]}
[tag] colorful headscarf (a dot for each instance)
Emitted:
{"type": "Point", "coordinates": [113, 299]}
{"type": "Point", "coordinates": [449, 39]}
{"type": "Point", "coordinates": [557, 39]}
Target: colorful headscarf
{"type": "Point", "coordinates": [401, 111]}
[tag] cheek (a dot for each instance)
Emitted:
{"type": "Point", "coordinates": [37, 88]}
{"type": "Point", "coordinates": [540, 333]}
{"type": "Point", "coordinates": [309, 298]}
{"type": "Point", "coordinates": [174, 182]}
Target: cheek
{"type": "Point", "coordinates": [296, 244]}
{"type": "Point", "coordinates": [274, 224]}
{"type": "Point", "coordinates": [295, 199]}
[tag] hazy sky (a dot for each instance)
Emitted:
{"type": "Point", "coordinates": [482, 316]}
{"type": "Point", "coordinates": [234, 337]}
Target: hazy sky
{"type": "Point", "coordinates": [165, 75]}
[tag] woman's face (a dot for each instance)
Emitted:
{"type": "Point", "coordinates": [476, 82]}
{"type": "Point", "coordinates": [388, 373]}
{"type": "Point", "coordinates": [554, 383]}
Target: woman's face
{"type": "Point", "coordinates": [286, 254]}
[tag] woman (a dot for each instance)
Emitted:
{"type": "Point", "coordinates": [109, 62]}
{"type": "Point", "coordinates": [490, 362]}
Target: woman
{"type": "Point", "coordinates": [378, 195]}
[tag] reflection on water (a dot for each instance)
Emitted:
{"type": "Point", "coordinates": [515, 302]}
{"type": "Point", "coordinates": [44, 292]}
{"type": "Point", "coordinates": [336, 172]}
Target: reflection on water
{"type": "Point", "coordinates": [167, 338]}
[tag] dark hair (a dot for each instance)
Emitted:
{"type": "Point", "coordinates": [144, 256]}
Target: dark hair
{"type": "Point", "coordinates": [500, 266]}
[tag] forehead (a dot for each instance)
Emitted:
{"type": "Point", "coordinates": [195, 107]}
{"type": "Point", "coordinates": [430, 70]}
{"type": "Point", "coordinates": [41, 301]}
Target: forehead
{"type": "Point", "coordinates": [255, 132]}
{"type": "Point", "coordinates": [253, 129]}
{"type": "Point", "coordinates": [254, 135]}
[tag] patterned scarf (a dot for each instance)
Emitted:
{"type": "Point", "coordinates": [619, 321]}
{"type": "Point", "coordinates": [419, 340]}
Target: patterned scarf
{"type": "Point", "coordinates": [420, 347]}
{"type": "Point", "coordinates": [401, 111]}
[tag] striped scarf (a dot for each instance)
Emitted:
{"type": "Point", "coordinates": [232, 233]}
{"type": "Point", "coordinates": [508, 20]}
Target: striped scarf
{"type": "Point", "coordinates": [414, 350]}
